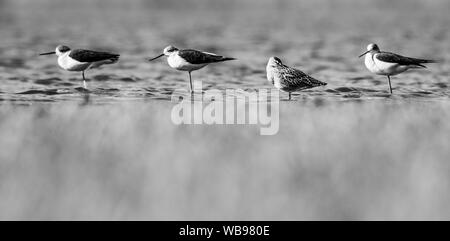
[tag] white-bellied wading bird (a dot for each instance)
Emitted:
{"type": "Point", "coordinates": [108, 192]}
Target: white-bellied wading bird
{"type": "Point", "coordinates": [81, 60]}
{"type": "Point", "coordinates": [189, 59]}
{"type": "Point", "coordinates": [289, 79]}
{"type": "Point", "coordinates": [390, 64]}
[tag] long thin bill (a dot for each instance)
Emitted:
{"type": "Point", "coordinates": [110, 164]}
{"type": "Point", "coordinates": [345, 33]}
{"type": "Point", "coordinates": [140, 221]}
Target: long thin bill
{"type": "Point", "coordinates": [157, 57]}
{"type": "Point", "coordinates": [48, 53]}
{"type": "Point", "coordinates": [363, 54]}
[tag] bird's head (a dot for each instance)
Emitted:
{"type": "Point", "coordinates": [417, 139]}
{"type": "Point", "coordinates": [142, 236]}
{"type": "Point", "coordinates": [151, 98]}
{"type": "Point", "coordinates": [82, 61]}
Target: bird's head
{"type": "Point", "coordinates": [169, 50]}
{"type": "Point", "coordinates": [60, 50]}
{"type": "Point", "coordinates": [166, 52]}
{"type": "Point", "coordinates": [371, 48]}
{"type": "Point", "coordinates": [274, 62]}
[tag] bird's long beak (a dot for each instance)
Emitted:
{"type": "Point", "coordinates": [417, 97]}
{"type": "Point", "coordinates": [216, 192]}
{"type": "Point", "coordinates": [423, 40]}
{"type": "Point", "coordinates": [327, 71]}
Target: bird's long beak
{"type": "Point", "coordinates": [364, 54]}
{"type": "Point", "coordinates": [48, 53]}
{"type": "Point", "coordinates": [157, 57]}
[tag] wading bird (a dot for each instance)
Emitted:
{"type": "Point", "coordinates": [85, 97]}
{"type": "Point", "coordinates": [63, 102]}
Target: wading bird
{"type": "Point", "coordinates": [80, 60]}
{"type": "Point", "coordinates": [189, 60]}
{"type": "Point", "coordinates": [390, 64]}
{"type": "Point", "coordinates": [289, 79]}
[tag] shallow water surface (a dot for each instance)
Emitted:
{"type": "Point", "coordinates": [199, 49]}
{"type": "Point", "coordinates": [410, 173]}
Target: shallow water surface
{"type": "Point", "coordinates": [323, 38]}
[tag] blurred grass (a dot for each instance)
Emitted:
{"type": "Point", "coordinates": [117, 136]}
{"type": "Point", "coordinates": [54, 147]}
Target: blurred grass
{"type": "Point", "coordinates": [386, 159]}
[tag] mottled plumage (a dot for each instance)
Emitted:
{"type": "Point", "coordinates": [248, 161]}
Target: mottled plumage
{"type": "Point", "coordinates": [293, 79]}
{"type": "Point", "coordinates": [289, 79]}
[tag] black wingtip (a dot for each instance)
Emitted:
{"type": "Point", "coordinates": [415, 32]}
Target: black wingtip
{"type": "Point", "coordinates": [421, 62]}
{"type": "Point", "coordinates": [228, 59]}
{"type": "Point", "coordinates": [429, 61]}
{"type": "Point", "coordinates": [116, 57]}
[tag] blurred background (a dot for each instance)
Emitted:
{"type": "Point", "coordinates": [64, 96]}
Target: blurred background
{"type": "Point", "coordinates": [345, 151]}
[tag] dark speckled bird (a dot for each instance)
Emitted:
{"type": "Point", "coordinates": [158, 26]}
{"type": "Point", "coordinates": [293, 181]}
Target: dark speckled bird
{"type": "Point", "coordinates": [81, 60]}
{"type": "Point", "coordinates": [189, 59]}
{"type": "Point", "coordinates": [390, 64]}
{"type": "Point", "coordinates": [289, 79]}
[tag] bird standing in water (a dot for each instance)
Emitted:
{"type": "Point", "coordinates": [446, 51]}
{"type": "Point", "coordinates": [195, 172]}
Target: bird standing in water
{"type": "Point", "coordinates": [289, 79]}
{"type": "Point", "coordinates": [390, 64]}
{"type": "Point", "coordinates": [80, 60]}
{"type": "Point", "coordinates": [189, 60]}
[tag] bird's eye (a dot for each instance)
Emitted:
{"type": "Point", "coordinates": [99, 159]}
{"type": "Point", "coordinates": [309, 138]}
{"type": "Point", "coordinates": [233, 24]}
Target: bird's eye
{"type": "Point", "coordinates": [63, 49]}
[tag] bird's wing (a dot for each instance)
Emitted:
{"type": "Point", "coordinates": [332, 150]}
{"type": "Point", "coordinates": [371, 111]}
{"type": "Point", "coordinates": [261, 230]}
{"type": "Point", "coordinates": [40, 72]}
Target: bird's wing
{"type": "Point", "coordinates": [83, 55]}
{"type": "Point", "coordinates": [197, 57]}
{"type": "Point", "coordinates": [295, 77]}
{"type": "Point", "coordinates": [401, 60]}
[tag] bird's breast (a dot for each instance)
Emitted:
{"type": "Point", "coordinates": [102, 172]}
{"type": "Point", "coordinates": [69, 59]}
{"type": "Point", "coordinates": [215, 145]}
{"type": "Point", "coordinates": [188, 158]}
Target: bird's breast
{"type": "Point", "coordinates": [370, 63]}
{"type": "Point", "coordinates": [178, 63]}
{"type": "Point", "coordinates": [273, 77]}
{"type": "Point", "coordinates": [379, 67]}
{"type": "Point", "coordinates": [387, 68]}
{"type": "Point", "coordinates": [70, 64]}
{"type": "Point", "coordinates": [269, 74]}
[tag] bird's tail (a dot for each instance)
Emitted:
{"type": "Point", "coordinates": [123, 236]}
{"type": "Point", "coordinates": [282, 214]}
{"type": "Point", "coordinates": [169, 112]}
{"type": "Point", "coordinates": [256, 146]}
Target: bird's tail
{"type": "Point", "coordinates": [114, 58]}
{"type": "Point", "coordinates": [322, 83]}
{"type": "Point", "coordinates": [420, 62]}
{"type": "Point", "coordinates": [225, 59]}
{"type": "Point", "coordinates": [427, 61]}
{"type": "Point", "coordinates": [316, 82]}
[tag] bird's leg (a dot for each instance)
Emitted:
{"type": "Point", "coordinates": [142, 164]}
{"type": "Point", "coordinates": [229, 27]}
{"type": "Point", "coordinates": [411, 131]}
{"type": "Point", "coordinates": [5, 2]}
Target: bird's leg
{"type": "Point", "coordinates": [289, 95]}
{"type": "Point", "coordinates": [190, 82]}
{"type": "Point", "coordinates": [84, 81]}
{"type": "Point", "coordinates": [390, 87]}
